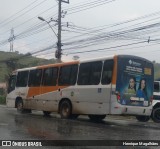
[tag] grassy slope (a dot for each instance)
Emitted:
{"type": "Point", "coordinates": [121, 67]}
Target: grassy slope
{"type": "Point", "coordinates": [20, 61]}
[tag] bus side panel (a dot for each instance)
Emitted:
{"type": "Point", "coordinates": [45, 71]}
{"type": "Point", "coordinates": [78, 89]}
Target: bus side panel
{"type": "Point", "coordinates": [10, 102]}
{"type": "Point", "coordinates": [89, 108]}
{"type": "Point", "coordinates": [45, 102]}
{"type": "Point", "coordinates": [43, 98]}
{"type": "Point", "coordinates": [89, 99]}
{"type": "Point", "coordinates": [20, 92]}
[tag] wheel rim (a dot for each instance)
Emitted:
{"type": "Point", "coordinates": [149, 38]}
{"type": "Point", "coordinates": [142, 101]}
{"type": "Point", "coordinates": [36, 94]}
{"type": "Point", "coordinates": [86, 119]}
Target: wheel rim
{"type": "Point", "coordinates": [65, 111]}
{"type": "Point", "coordinates": [19, 106]}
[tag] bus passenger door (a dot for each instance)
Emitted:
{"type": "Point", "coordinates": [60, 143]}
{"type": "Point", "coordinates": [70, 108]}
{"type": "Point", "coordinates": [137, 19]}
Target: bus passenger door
{"type": "Point", "coordinates": [49, 89]}
{"type": "Point", "coordinates": [34, 89]}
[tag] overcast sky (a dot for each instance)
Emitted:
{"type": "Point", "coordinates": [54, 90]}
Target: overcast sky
{"type": "Point", "coordinates": [100, 27]}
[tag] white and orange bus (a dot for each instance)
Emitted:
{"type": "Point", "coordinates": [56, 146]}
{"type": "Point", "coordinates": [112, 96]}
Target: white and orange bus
{"type": "Point", "coordinates": [96, 87]}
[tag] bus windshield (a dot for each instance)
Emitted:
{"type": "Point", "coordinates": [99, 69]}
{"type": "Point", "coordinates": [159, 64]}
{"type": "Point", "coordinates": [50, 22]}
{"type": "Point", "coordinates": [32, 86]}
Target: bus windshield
{"type": "Point", "coordinates": [11, 83]}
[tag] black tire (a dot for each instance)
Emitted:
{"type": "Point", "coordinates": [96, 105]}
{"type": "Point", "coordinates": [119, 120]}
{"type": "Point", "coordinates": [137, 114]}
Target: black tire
{"type": "Point", "coordinates": [156, 115]}
{"type": "Point", "coordinates": [96, 118]}
{"type": "Point", "coordinates": [65, 109]}
{"type": "Point", "coordinates": [46, 113]}
{"type": "Point", "coordinates": [142, 118]}
{"type": "Point", "coordinates": [19, 106]}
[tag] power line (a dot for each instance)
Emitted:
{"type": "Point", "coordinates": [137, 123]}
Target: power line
{"type": "Point", "coordinates": [4, 21]}
{"type": "Point", "coordinates": [102, 36]}
{"type": "Point", "coordinates": [22, 13]}
{"type": "Point", "coordinates": [35, 17]}
{"type": "Point", "coordinates": [89, 6]}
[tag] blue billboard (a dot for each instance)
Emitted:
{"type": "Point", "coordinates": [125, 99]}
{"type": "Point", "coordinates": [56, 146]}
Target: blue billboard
{"type": "Point", "coordinates": [135, 77]}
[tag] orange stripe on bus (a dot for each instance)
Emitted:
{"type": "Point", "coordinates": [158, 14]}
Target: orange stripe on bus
{"type": "Point", "coordinates": [35, 91]}
{"type": "Point", "coordinates": [114, 77]}
{"type": "Point", "coordinates": [58, 65]}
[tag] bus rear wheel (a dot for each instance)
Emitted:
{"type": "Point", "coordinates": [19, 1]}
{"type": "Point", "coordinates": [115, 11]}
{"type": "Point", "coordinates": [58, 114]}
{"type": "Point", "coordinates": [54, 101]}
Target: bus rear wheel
{"type": "Point", "coordinates": [96, 117]}
{"type": "Point", "coordinates": [142, 118]}
{"type": "Point", "coordinates": [156, 115]}
{"type": "Point", "coordinates": [65, 109]}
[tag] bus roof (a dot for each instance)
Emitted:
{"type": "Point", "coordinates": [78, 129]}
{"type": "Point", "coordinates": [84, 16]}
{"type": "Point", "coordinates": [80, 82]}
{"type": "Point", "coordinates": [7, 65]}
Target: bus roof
{"type": "Point", "coordinates": [66, 63]}
{"type": "Point", "coordinates": [80, 61]}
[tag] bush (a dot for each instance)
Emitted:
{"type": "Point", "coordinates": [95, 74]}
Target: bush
{"type": "Point", "coordinates": [2, 91]}
{"type": "Point", "coordinates": [2, 100]}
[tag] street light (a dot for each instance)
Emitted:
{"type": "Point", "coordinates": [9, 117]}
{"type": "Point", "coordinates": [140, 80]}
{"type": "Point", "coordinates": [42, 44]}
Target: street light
{"type": "Point", "coordinates": [42, 19]}
{"type": "Point", "coordinates": [58, 51]}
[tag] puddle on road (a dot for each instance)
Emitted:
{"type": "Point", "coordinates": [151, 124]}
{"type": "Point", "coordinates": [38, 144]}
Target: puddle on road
{"type": "Point", "coordinates": [56, 128]}
{"type": "Point", "coordinates": [51, 128]}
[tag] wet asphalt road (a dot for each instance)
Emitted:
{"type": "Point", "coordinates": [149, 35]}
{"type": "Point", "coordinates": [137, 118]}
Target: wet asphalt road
{"type": "Point", "coordinates": [34, 126]}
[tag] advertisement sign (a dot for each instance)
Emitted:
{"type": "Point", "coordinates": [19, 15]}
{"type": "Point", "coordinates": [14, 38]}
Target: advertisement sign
{"type": "Point", "coordinates": [134, 81]}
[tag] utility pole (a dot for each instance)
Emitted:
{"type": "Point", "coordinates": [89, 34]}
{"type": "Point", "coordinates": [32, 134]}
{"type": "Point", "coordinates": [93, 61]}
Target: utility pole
{"type": "Point", "coordinates": [58, 53]}
{"type": "Point", "coordinates": [11, 38]}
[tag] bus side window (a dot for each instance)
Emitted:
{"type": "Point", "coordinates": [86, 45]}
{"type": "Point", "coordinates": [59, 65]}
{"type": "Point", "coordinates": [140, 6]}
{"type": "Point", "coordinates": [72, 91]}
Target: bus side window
{"type": "Point", "coordinates": [73, 75]}
{"type": "Point", "coordinates": [90, 73]}
{"type": "Point", "coordinates": [22, 79]}
{"type": "Point", "coordinates": [50, 76]}
{"type": "Point", "coordinates": [84, 74]}
{"type": "Point", "coordinates": [68, 75]}
{"type": "Point", "coordinates": [35, 77]}
{"type": "Point", "coordinates": [95, 74]}
{"type": "Point", "coordinates": [107, 72]}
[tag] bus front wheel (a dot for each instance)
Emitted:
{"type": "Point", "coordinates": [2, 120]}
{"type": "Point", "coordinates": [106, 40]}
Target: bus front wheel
{"type": "Point", "coordinates": [19, 106]}
{"type": "Point", "coordinates": [65, 109]}
{"type": "Point", "coordinates": [156, 115]}
{"type": "Point", "coordinates": [142, 118]}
